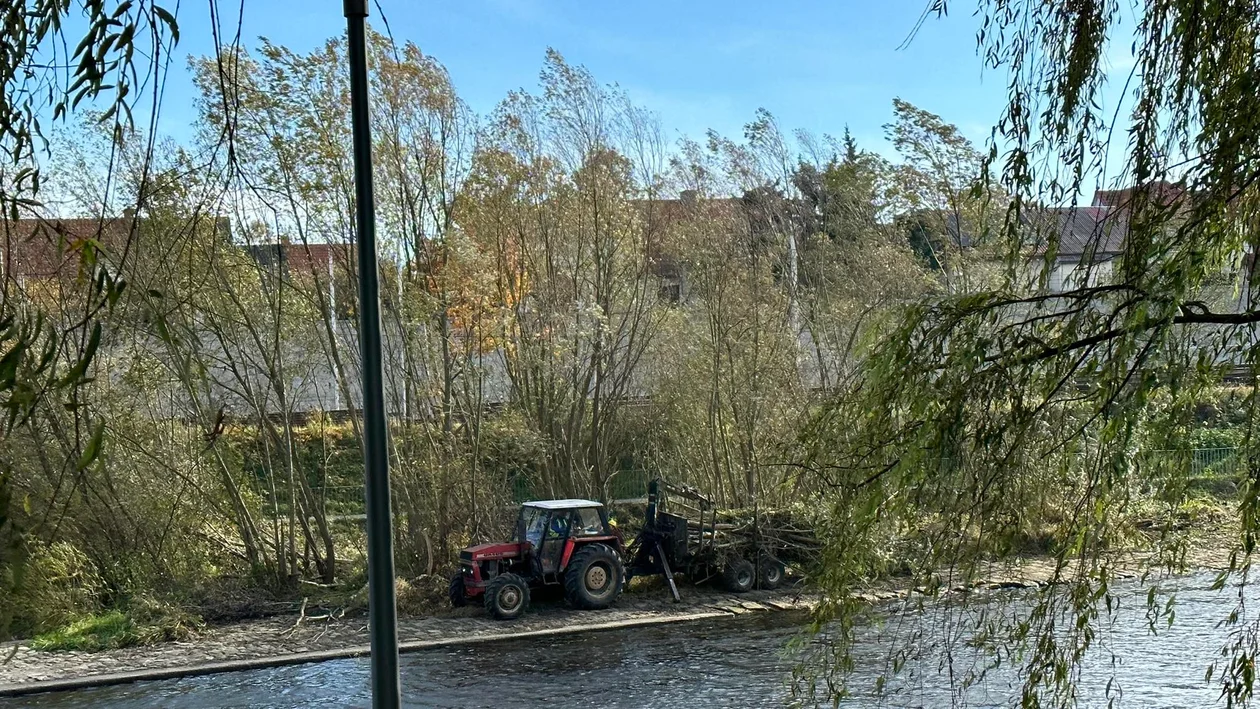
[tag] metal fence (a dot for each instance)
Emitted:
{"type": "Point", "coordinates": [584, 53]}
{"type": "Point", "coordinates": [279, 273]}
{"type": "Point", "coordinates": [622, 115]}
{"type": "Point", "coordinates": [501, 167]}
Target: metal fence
{"type": "Point", "coordinates": [628, 485]}
{"type": "Point", "coordinates": [1215, 461]}
{"type": "Point", "coordinates": [1203, 462]}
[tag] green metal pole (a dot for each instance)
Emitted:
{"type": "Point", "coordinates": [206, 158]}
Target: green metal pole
{"type": "Point", "coordinates": [382, 612]}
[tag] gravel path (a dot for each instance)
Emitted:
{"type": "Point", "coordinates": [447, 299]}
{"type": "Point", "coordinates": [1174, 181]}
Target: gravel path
{"type": "Point", "coordinates": [257, 640]}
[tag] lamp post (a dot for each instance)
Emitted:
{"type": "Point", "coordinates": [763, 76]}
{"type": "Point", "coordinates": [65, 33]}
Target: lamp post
{"type": "Point", "coordinates": [382, 612]}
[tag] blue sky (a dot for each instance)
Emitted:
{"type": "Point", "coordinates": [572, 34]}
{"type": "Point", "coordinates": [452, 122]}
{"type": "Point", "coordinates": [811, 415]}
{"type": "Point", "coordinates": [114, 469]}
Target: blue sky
{"type": "Point", "coordinates": [703, 64]}
{"type": "Point", "coordinates": [698, 64]}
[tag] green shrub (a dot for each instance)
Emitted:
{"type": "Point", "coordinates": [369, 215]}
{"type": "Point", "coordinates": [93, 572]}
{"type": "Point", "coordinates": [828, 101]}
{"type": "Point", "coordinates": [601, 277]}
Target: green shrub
{"type": "Point", "coordinates": [511, 448]}
{"type": "Point", "coordinates": [1227, 437]}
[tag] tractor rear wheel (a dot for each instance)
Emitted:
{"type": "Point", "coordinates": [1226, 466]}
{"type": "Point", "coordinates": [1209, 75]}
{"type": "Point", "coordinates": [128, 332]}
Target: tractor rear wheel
{"type": "Point", "coordinates": [456, 591]}
{"type": "Point", "coordinates": [769, 572]}
{"type": "Point", "coordinates": [739, 575]}
{"type": "Point", "coordinates": [593, 579]}
{"type": "Point", "coordinates": [507, 597]}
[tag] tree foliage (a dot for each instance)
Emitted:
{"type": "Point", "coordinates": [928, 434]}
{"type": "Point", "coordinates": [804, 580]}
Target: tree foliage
{"type": "Point", "coordinates": [993, 405]}
{"type": "Point", "coordinates": [46, 360]}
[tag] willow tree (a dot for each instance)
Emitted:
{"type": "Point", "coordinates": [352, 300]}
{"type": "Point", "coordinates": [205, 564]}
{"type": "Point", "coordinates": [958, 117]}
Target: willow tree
{"type": "Point", "coordinates": [988, 412]}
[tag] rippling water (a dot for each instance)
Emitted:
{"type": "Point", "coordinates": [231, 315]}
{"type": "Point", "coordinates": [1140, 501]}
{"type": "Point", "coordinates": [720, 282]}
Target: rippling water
{"type": "Point", "coordinates": [733, 663]}
{"type": "Point", "coordinates": [1128, 665]}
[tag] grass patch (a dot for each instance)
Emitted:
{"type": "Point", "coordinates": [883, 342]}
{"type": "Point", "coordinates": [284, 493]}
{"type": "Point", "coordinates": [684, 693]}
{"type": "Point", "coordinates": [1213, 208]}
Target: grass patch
{"type": "Point", "coordinates": [90, 634]}
{"type": "Point", "coordinates": [115, 629]}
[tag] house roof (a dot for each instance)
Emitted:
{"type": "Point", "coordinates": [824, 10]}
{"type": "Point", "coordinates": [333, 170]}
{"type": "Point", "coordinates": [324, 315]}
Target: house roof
{"type": "Point", "coordinates": [45, 247]}
{"type": "Point", "coordinates": [1160, 192]}
{"type": "Point", "coordinates": [38, 247]}
{"type": "Point", "coordinates": [562, 504]}
{"type": "Point", "coordinates": [1098, 231]}
{"type": "Point", "coordinates": [304, 258]}
{"type": "Point", "coordinates": [662, 214]}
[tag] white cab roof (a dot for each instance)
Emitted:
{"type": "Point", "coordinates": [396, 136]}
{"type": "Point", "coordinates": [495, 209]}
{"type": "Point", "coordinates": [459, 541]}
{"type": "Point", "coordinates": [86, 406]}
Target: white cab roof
{"type": "Point", "coordinates": [562, 504]}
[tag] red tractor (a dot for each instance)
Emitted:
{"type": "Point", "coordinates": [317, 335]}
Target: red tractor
{"type": "Point", "coordinates": [567, 543]}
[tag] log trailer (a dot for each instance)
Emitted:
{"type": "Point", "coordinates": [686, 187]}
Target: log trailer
{"type": "Point", "coordinates": [681, 534]}
{"type": "Point", "coordinates": [573, 544]}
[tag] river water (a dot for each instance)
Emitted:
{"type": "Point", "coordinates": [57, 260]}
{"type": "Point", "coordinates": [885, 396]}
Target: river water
{"type": "Point", "coordinates": [732, 663]}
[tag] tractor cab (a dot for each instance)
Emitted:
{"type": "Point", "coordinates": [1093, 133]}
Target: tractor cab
{"type": "Point", "coordinates": [553, 527]}
{"type": "Point", "coordinates": [556, 542]}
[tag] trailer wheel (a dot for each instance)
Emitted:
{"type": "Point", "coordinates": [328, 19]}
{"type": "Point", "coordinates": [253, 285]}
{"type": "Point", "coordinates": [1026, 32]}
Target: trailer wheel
{"type": "Point", "coordinates": [593, 579]}
{"type": "Point", "coordinates": [770, 572]}
{"type": "Point", "coordinates": [739, 575]}
{"type": "Point", "coordinates": [507, 597]}
{"type": "Point", "coordinates": [456, 591]}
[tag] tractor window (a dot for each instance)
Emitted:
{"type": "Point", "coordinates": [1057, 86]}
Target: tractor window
{"type": "Point", "coordinates": [589, 523]}
{"type": "Point", "coordinates": [559, 526]}
{"type": "Point", "coordinates": [535, 523]}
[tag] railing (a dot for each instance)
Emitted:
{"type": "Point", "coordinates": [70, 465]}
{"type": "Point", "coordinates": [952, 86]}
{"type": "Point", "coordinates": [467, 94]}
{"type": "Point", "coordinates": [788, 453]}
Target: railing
{"type": "Point", "coordinates": [1214, 471]}
{"type": "Point", "coordinates": [1204, 462]}
{"type": "Point", "coordinates": [1215, 461]}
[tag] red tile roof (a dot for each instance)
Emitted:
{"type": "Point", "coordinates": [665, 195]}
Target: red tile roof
{"type": "Point", "coordinates": [660, 215]}
{"type": "Point", "coordinates": [45, 248]}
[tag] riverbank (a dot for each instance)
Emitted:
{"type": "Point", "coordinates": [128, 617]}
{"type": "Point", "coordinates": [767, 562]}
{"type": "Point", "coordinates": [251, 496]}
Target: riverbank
{"type": "Point", "coordinates": [294, 639]}
{"type": "Point", "coordinates": [283, 640]}
{"type": "Point", "coordinates": [733, 661]}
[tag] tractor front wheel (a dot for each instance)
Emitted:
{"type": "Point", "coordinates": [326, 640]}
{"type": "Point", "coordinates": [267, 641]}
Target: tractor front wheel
{"type": "Point", "coordinates": [593, 579]}
{"type": "Point", "coordinates": [739, 575]}
{"type": "Point", "coordinates": [507, 597]}
{"type": "Point", "coordinates": [456, 591]}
